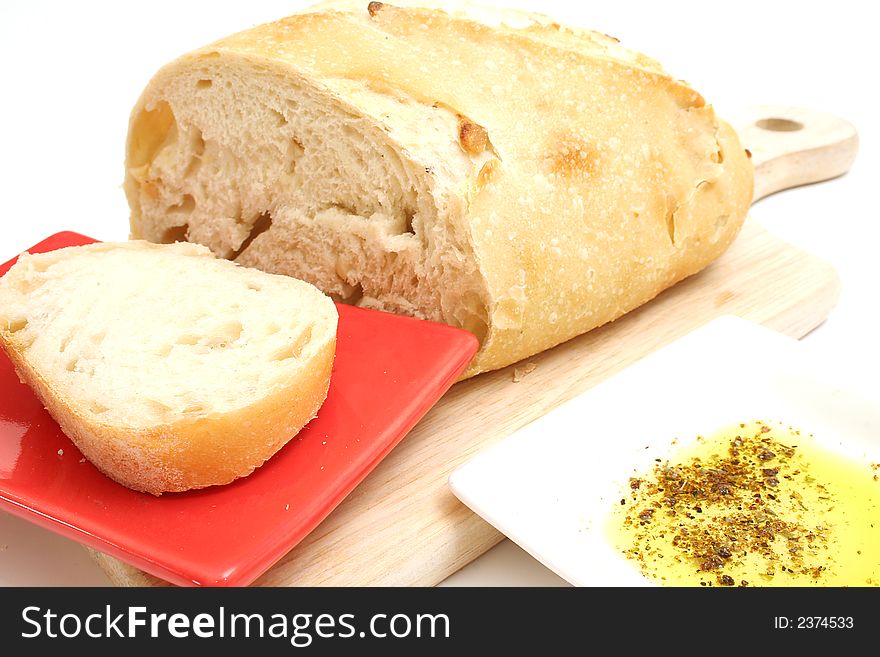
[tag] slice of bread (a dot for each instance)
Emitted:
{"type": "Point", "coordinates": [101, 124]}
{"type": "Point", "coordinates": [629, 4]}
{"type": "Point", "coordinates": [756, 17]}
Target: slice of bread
{"type": "Point", "coordinates": [168, 368]}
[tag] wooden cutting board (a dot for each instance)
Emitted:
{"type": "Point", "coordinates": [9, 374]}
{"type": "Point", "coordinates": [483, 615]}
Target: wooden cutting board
{"type": "Point", "coordinates": [402, 525]}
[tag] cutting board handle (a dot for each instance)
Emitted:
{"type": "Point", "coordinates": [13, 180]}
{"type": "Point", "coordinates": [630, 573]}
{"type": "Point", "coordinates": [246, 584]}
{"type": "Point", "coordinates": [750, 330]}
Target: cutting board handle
{"type": "Point", "coordinates": [794, 146]}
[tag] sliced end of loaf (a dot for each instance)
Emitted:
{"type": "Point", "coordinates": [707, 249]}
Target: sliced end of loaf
{"type": "Point", "coordinates": [273, 171]}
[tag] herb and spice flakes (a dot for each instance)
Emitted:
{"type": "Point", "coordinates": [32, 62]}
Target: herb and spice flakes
{"type": "Point", "coordinates": [757, 505]}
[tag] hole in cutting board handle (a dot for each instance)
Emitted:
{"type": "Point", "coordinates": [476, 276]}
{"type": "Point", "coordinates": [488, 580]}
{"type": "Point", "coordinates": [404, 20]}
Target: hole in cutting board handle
{"type": "Point", "coordinates": [776, 124]}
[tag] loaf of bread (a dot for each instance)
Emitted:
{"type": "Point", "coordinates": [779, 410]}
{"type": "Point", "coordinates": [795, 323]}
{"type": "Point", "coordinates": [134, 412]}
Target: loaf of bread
{"type": "Point", "coordinates": [525, 181]}
{"type": "Point", "coordinates": [168, 368]}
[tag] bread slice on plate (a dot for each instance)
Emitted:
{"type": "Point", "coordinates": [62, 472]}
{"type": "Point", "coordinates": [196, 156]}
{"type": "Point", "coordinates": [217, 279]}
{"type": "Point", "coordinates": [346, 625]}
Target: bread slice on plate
{"type": "Point", "coordinates": [168, 368]}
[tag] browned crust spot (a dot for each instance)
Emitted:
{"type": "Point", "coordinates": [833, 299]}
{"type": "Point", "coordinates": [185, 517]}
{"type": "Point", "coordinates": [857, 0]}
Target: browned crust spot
{"type": "Point", "coordinates": [374, 8]}
{"type": "Point", "coordinates": [472, 137]}
{"type": "Point", "coordinates": [571, 156]}
{"type": "Point", "coordinates": [687, 97]}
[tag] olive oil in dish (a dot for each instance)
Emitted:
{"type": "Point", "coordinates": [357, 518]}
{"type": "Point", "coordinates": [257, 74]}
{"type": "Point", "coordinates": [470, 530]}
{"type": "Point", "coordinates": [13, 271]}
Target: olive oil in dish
{"type": "Point", "coordinates": [758, 504]}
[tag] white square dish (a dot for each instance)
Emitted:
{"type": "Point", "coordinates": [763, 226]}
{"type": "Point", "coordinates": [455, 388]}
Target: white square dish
{"type": "Point", "coordinates": [551, 486]}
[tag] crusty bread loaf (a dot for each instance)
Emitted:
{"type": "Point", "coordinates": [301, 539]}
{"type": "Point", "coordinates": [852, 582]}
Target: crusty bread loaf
{"type": "Point", "coordinates": [168, 368]}
{"type": "Point", "coordinates": [527, 183]}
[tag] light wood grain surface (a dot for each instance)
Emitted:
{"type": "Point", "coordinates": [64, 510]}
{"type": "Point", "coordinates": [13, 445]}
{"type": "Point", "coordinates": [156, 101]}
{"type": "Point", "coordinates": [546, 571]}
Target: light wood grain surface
{"type": "Point", "coordinates": [402, 525]}
{"type": "Point", "coordinates": [794, 146]}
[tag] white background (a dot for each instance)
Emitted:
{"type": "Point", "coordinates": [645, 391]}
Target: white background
{"type": "Point", "coordinates": [72, 70]}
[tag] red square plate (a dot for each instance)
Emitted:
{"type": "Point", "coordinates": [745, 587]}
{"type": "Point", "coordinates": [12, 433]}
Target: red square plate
{"type": "Point", "coordinates": [389, 371]}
